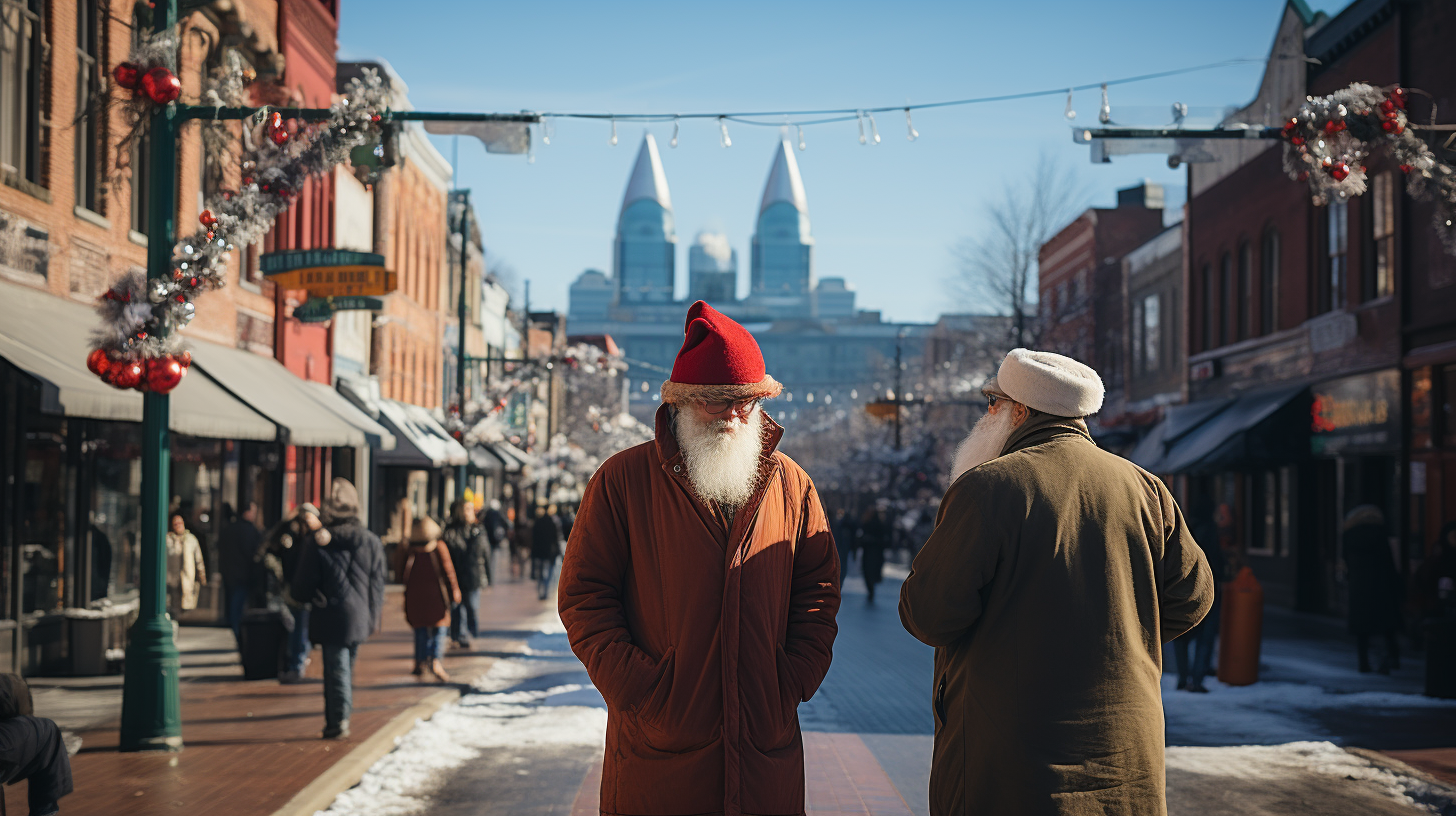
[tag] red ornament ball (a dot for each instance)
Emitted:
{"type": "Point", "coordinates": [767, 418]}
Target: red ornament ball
{"type": "Point", "coordinates": [161, 85]}
{"type": "Point", "coordinates": [99, 362]}
{"type": "Point", "coordinates": [206, 218]}
{"type": "Point", "coordinates": [185, 358]}
{"type": "Point", "coordinates": [183, 298]}
{"type": "Point", "coordinates": [164, 373]}
{"type": "Point", "coordinates": [1406, 168]}
{"type": "Point", "coordinates": [1398, 97]}
{"type": "Point", "coordinates": [1388, 125]}
{"type": "Point", "coordinates": [127, 75]}
{"type": "Point", "coordinates": [1296, 140]}
{"type": "Point", "coordinates": [1334, 126]}
{"type": "Point", "coordinates": [276, 129]}
{"type": "Point", "coordinates": [1340, 171]}
{"type": "Point", "coordinates": [126, 374]}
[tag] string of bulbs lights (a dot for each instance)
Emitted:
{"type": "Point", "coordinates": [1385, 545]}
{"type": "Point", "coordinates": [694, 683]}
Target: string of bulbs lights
{"type": "Point", "coordinates": [869, 131]}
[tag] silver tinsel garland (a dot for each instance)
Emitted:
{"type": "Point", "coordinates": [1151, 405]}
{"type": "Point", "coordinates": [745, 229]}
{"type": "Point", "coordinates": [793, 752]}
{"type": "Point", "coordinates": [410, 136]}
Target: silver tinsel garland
{"type": "Point", "coordinates": [1330, 137]}
{"type": "Point", "coordinates": [139, 316]}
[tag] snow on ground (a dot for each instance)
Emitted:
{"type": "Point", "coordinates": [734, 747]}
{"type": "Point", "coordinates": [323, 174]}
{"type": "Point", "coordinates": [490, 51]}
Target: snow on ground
{"type": "Point", "coordinates": [1253, 763]}
{"type": "Point", "coordinates": [502, 712]}
{"type": "Point", "coordinates": [1268, 713]}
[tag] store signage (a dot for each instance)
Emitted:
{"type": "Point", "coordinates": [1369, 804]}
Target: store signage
{"type": "Point", "coordinates": [319, 309]}
{"type": "Point", "coordinates": [329, 272]}
{"type": "Point", "coordinates": [1356, 414]}
{"type": "Point", "coordinates": [1206, 370]}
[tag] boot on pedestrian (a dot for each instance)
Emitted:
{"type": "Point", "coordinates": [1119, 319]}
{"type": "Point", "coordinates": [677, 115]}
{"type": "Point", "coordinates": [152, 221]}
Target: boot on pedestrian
{"type": "Point", "coordinates": [438, 669]}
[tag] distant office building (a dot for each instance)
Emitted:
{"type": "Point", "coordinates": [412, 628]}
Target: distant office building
{"type": "Point", "coordinates": [813, 339]}
{"type": "Point", "coordinates": [646, 246]}
{"type": "Point", "coordinates": [712, 269]}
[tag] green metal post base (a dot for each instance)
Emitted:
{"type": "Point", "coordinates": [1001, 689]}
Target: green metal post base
{"type": "Point", "coordinates": [151, 712]}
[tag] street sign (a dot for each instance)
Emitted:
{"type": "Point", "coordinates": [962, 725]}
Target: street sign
{"type": "Point", "coordinates": [336, 281]}
{"type": "Point", "coordinates": [319, 309]}
{"type": "Point", "coordinates": [273, 263]}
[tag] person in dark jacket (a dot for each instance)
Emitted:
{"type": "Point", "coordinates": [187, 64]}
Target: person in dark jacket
{"type": "Point", "coordinates": [873, 539]}
{"type": "Point", "coordinates": [470, 554]}
{"type": "Point", "coordinates": [31, 748]}
{"type": "Point", "coordinates": [1202, 636]}
{"type": "Point", "coordinates": [498, 532]}
{"type": "Point", "coordinates": [280, 563]}
{"type": "Point", "coordinates": [237, 548]}
{"type": "Point", "coordinates": [344, 581]}
{"type": "Point", "coordinates": [430, 591]}
{"type": "Point", "coordinates": [545, 548]}
{"type": "Point", "coordinates": [845, 532]}
{"type": "Point", "coordinates": [1374, 586]}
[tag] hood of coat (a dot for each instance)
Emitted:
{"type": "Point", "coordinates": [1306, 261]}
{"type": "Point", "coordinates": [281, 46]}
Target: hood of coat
{"type": "Point", "coordinates": [667, 446]}
{"type": "Point", "coordinates": [1042, 427]}
{"type": "Point", "coordinates": [424, 546]}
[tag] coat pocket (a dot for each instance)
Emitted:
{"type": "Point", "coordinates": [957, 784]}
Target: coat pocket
{"type": "Point", "coordinates": [654, 700]}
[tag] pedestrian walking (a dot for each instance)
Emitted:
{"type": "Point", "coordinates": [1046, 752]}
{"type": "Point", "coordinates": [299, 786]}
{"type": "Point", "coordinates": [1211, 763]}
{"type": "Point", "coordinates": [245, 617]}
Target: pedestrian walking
{"type": "Point", "coordinates": [1201, 638]}
{"type": "Point", "coordinates": [1375, 589]}
{"type": "Point", "coordinates": [186, 574]}
{"type": "Point", "coordinates": [430, 591]}
{"type": "Point", "coordinates": [700, 588]}
{"type": "Point", "coordinates": [343, 578]}
{"type": "Point", "coordinates": [498, 531]}
{"type": "Point", "coordinates": [237, 550]}
{"type": "Point", "coordinates": [1053, 576]}
{"type": "Point", "coordinates": [31, 748]}
{"type": "Point", "coordinates": [470, 555]}
{"type": "Point", "coordinates": [285, 550]}
{"type": "Point", "coordinates": [545, 548]}
{"type": "Point", "coordinates": [846, 531]}
{"type": "Point", "coordinates": [872, 541]}
{"type": "Point", "coordinates": [1435, 578]}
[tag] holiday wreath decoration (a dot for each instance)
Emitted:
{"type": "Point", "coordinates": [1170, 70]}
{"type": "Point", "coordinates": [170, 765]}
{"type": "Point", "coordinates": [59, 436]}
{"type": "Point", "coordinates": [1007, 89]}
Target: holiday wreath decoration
{"type": "Point", "coordinates": [1328, 140]}
{"type": "Point", "coordinates": [137, 345]}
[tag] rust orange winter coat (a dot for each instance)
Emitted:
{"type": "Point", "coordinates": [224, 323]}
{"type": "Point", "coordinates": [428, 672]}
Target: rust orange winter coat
{"type": "Point", "coordinates": [429, 585]}
{"type": "Point", "coordinates": [702, 639]}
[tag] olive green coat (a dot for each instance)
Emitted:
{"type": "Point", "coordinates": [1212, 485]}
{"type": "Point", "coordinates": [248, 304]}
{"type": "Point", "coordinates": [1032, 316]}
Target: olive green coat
{"type": "Point", "coordinates": [1054, 575]}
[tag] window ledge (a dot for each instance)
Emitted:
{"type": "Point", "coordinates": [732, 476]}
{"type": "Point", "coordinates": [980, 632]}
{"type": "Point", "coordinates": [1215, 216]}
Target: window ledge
{"type": "Point", "coordinates": [30, 188]}
{"type": "Point", "coordinates": [136, 237]}
{"type": "Point", "coordinates": [92, 217]}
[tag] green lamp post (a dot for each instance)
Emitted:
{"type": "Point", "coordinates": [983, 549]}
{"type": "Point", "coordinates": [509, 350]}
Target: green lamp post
{"type": "Point", "coordinates": [151, 709]}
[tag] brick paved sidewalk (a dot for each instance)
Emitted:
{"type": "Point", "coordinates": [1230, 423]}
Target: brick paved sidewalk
{"type": "Point", "coordinates": [253, 747]}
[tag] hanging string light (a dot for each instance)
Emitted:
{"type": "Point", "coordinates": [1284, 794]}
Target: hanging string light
{"type": "Point", "coordinates": [874, 131]}
{"type": "Point", "coordinates": [545, 131]}
{"type": "Point", "coordinates": [859, 117]}
{"type": "Point", "coordinates": [675, 122]}
{"type": "Point", "coordinates": [1104, 114]}
{"type": "Point", "coordinates": [802, 146]}
{"type": "Point", "coordinates": [1069, 113]}
{"type": "Point", "coordinates": [723, 131]}
{"type": "Point", "coordinates": [614, 133]}
{"type": "Point", "coordinates": [911, 134]}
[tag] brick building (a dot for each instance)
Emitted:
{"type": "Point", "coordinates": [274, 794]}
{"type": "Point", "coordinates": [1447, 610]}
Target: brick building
{"type": "Point", "coordinates": [1298, 315]}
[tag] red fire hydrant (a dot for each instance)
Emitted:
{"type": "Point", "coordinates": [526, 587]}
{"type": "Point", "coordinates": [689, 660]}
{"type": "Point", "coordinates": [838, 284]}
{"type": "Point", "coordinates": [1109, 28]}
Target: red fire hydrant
{"type": "Point", "coordinates": [1241, 624]}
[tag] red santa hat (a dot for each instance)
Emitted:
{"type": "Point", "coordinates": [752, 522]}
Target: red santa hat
{"type": "Point", "coordinates": [719, 360]}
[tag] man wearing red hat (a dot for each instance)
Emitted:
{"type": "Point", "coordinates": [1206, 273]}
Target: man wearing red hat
{"type": "Point", "coordinates": [700, 587]}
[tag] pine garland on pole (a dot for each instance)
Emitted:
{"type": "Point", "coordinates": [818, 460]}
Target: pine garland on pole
{"type": "Point", "coordinates": [137, 345]}
{"type": "Point", "coordinates": [1328, 140]}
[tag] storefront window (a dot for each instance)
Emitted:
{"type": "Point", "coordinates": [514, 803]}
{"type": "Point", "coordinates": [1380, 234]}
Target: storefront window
{"type": "Point", "coordinates": [43, 515]}
{"type": "Point", "coordinates": [114, 531]}
{"type": "Point", "coordinates": [1422, 434]}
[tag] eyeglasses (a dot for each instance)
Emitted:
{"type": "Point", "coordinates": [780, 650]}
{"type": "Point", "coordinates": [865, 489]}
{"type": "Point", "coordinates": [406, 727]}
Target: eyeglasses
{"type": "Point", "coordinates": [992, 399]}
{"type": "Point", "coordinates": [740, 407]}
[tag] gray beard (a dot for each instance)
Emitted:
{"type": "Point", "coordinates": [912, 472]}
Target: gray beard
{"type": "Point", "coordinates": [722, 467]}
{"type": "Point", "coordinates": [984, 443]}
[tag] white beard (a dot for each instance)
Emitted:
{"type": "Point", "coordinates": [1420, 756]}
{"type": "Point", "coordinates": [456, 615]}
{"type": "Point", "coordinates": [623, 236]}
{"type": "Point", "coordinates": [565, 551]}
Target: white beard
{"type": "Point", "coordinates": [722, 466]}
{"type": "Point", "coordinates": [984, 443]}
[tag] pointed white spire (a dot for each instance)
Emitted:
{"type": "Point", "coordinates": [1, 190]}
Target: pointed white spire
{"type": "Point", "coordinates": [647, 180]}
{"type": "Point", "coordinates": [784, 182]}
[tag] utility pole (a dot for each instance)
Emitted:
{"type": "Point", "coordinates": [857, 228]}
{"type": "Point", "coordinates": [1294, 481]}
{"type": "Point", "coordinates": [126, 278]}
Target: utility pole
{"type": "Point", "coordinates": [460, 320]}
{"type": "Point", "coordinates": [899, 391]}
{"type": "Point", "coordinates": [526, 356]}
{"type": "Point", "coordinates": [151, 706]}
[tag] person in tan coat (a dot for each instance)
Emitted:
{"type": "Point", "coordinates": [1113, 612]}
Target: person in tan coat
{"type": "Point", "coordinates": [430, 590]}
{"type": "Point", "coordinates": [1054, 576]}
{"type": "Point", "coordinates": [700, 588]}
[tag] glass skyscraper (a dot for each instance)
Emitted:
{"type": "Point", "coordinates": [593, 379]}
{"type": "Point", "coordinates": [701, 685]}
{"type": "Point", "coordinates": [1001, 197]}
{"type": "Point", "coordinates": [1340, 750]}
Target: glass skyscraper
{"type": "Point", "coordinates": [782, 245]}
{"type": "Point", "coordinates": [643, 261]}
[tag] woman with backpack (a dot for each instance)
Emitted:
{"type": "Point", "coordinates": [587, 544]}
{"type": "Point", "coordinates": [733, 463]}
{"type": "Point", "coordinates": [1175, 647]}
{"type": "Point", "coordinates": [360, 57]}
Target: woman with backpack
{"type": "Point", "coordinates": [430, 590]}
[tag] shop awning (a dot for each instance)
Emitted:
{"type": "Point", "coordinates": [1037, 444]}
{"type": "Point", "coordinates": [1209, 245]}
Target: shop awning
{"type": "Point", "coordinates": [483, 458]}
{"type": "Point", "coordinates": [278, 394]}
{"type": "Point", "coordinates": [375, 434]}
{"type": "Point", "coordinates": [421, 441]}
{"type": "Point", "coordinates": [48, 337]}
{"type": "Point", "coordinates": [1207, 437]}
{"type": "Point", "coordinates": [500, 455]}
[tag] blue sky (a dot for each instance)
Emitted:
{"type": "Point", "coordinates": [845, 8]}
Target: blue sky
{"type": "Point", "coordinates": [884, 217]}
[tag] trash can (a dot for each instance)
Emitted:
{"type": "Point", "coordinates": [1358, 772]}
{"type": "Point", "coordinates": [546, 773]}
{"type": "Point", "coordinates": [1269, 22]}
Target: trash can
{"type": "Point", "coordinates": [1240, 630]}
{"type": "Point", "coordinates": [1441, 657]}
{"type": "Point", "coordinates": [261, 643]}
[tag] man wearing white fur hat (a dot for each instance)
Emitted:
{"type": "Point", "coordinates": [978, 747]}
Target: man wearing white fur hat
{"type": "Point", "coordinates": [1055, 573]}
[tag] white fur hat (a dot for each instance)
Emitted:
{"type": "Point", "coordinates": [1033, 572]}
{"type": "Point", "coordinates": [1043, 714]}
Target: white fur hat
{"type": "Point", "coordinates": [1050, 383]}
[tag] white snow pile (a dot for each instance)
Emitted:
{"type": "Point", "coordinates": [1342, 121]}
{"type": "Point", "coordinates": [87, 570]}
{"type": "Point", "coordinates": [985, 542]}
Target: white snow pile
{"type": "Point", "coordinates": [1274, 762]}
{"type": "Point", "coordinates": [1270, 712]}
{"type": "Point", "coordinates": [400, 783]}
